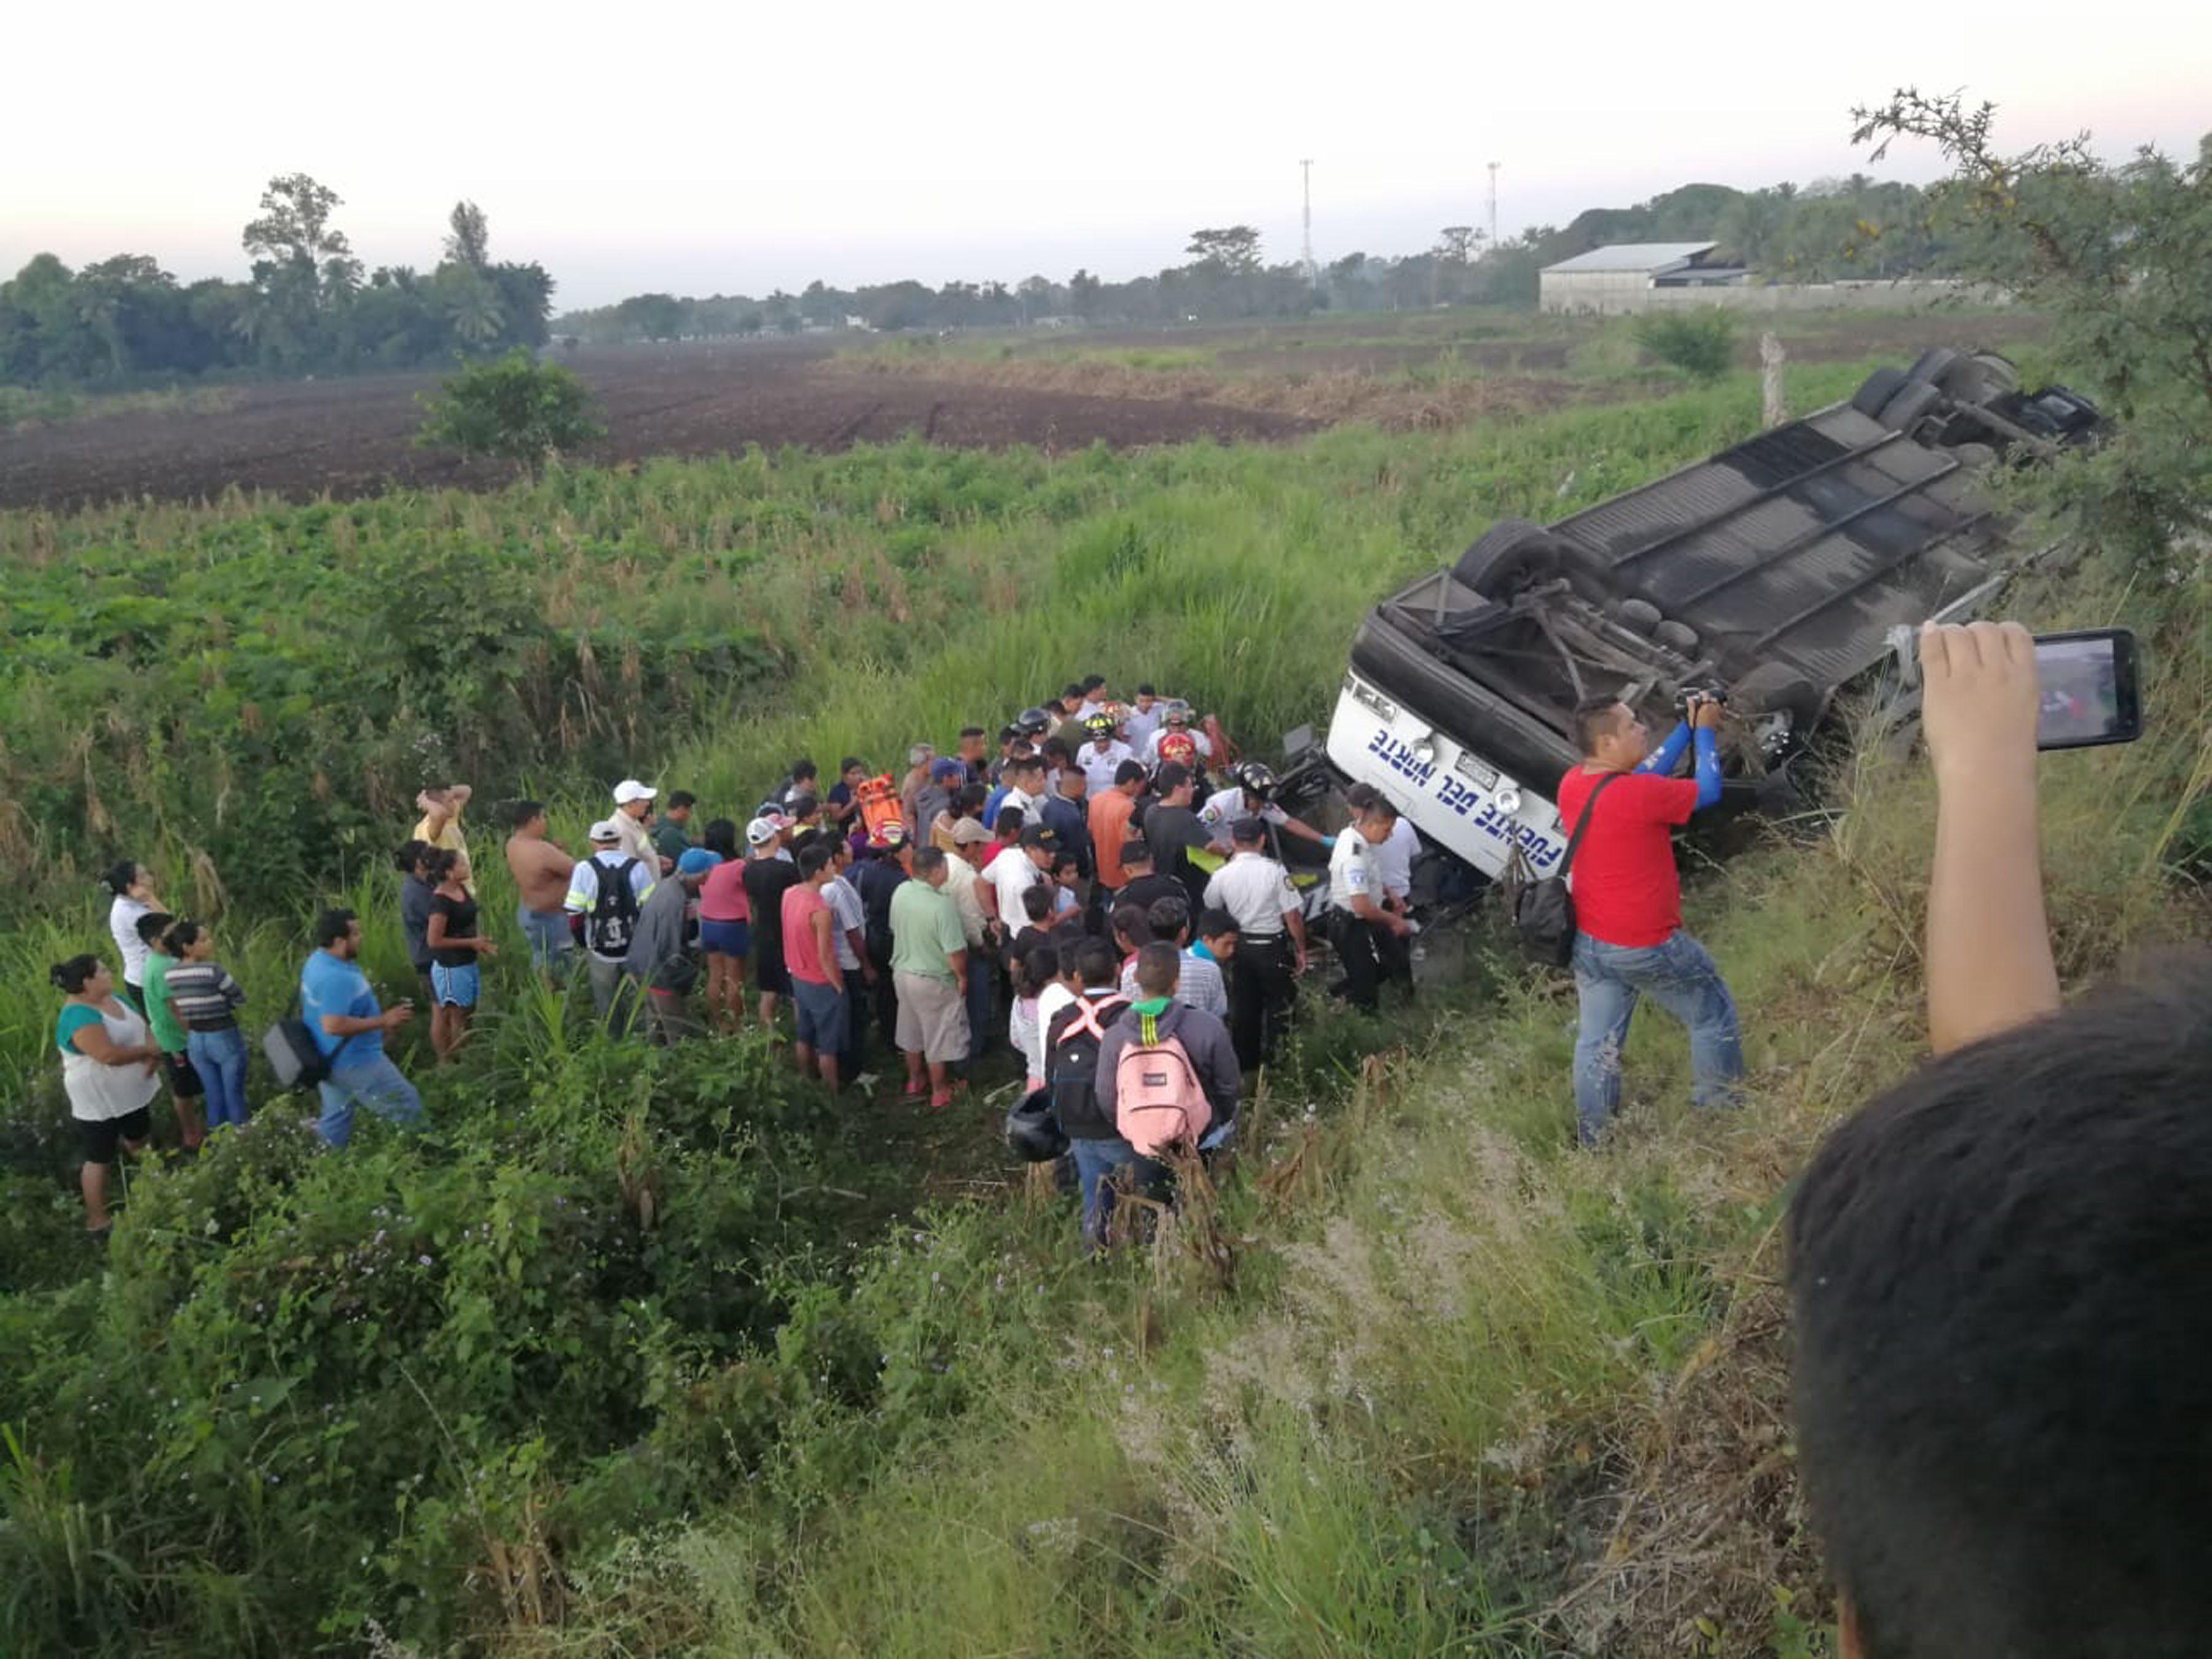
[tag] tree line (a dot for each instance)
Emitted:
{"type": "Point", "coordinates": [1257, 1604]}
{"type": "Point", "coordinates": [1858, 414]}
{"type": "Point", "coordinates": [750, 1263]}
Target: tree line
{"type": "Point", "coordinates": [1836, 227]}
{"type": "Point", "coordinates": [308, 306]}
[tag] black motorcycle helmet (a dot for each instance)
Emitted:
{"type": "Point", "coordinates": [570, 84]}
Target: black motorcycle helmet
{"type": "Point", "coordinates": [1032, 723]}
{"type": "Point", "coordinates": [1033, 1133]}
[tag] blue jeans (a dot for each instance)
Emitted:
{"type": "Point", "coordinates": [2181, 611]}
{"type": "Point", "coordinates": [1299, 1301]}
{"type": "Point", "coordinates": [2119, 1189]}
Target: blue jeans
{"type": "Point", "coordinates": [981, 974]}
{"type": "Point", "coordinates": [1094, 1164]}
{"type": "Point", "coordinates": [220, 1059]}
{"type": "Point", "coordinates": [375, 1083]}
{"type": "Point", "coordinates": [548, 937]}
{"type": "Point", "coordinates": [1680, 977]}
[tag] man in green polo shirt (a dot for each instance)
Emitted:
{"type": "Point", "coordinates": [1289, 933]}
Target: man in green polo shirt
{"type": "Point", "coordinates": [929, 975]}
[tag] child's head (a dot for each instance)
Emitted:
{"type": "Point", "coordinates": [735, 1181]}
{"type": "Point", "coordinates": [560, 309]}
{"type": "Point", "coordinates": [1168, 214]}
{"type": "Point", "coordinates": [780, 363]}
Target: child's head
{"type": "Point", "coordinates": [1170, 920]}
{"type": "Point", "coordinates": [1218, 931]}
{"type": "Point", "coordinates": [1036, 902]}
{"type": "Point", "coordinates": [1039, 968]}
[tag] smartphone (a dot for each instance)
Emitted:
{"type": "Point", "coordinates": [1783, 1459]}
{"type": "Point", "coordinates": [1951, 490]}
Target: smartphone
{"type": "Point", "coordinates": [2090, 692]}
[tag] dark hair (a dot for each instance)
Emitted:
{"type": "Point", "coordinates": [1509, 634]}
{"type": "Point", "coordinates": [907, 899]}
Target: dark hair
{"type": "Point", "coordinates": [332, 926]}
{"type": "Point", "coordinates": [1066, 861]}
{"type": "Point", "coordinates": [1007, 734]}
{"type": "Point", "coordinates": [1039, 968]}
{"type": "Point", "coordinates": [1145, 689]}
{"type": "Point", "coordinates": [927, 860]}
{"type": "Point", "coordinates": [523, 810]}
{"type": "Point", "coordinates": [1170, 778]}
{"type": "Point", "coordinates": [151, 925]}
{"type": "Point", "coordinates": [680, 798]}
{"type": "Point", "coordinates": [1092, 682]}
{"type": "Point", "coordinates": [1096, 964]}
{"type": "Point", "coordinates": [73, 975]}
{"type": "Point", "coordinates": [1360, 797]}
{"type": "Point", "coordinates": [1159, 969]}
{"type": "Point", "coordinates": [1380, 807]}
{"type": "Point", "coordinates": [851, 763]}
{"type": "Point", "coordinates": [410, 856]}
{"type": "Point", "coordinates": [1074, 688]}
{"type": "Point", "coordinates": [970, 800]}
{"type": "Point", "coordinates": [1036, 901]}
{"type": "Point", "coordinates": [1217, 924]}
{"type": "Point", "coordinates": [803, 805]}
{"type": "Point", "coordinates": [1010, 818]}
{"type": "Point", "coordinates": [813, 858]}
{"type": "Point", "coordinates": [803, 769]}
{"type": "Point", "coordinates": [118, 876]}
{"type": "Point", "coordinates": [1031, 761]}
{"type": "Point", "coordinates": [1169, 914]}
{"type": "Point", "coordinates": [720, 836]}
{"type": "Point", "coordinates": [1593, 718]}
{"type": "Point", "coordinates": [1136, 850]}
{"type": "Point", "coordinates": [2000, 1270]}
{"type": "Point", "coordinates": [441, 861]}
{"type": "Point", "coordinates": [182, 936]}
{"type": "Point", "coordinates": [1130, 921]}
{"type": "Point", "coordinates": [1129, 771]}
{"type": "Point", "coordinates": [1249, 831]}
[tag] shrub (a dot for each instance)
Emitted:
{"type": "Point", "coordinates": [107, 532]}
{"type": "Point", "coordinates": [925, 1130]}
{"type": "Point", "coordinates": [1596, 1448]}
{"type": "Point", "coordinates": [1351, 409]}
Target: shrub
{"type": "Point", "coordinates": [515, 408]}
{"type": "Point", "coordinates": [1699, 343]}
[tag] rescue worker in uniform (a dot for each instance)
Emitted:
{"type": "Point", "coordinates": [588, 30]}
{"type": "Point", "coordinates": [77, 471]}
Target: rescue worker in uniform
{"type": "Point", "coordinates": [1250, 796]}
{"type": "Point", "coordinates": [1271, 941]}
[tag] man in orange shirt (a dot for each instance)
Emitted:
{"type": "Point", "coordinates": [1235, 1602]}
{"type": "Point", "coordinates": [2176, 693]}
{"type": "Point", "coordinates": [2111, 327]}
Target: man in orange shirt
{"type": "Point", "coordinates": [1109, 828]}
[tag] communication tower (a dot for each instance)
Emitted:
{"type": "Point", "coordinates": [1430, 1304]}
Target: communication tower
{"type": "Point", "coordinates": [1313, 271]}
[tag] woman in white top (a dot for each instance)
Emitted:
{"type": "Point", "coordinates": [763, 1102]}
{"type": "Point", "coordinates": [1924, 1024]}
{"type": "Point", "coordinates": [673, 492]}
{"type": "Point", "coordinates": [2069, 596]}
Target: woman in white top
{"type": "Point", "coordinates": [108, 1060]}
{"type": "Point", "coordinates": [132, 884]}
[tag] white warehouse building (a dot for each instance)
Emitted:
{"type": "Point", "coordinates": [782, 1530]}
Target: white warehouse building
{"type": "Point", "coordinates": [1617, 280]}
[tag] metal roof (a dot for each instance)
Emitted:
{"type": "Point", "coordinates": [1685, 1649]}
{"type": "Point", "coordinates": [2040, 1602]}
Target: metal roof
{"type": "Point", "coordinates": [1650, 257]}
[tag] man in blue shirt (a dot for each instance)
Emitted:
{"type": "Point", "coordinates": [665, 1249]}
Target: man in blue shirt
{"type": "Point", "coordinates": [341, 1011]}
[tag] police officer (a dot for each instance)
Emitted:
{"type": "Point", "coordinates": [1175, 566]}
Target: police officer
{"type": "Point", "coordinates": [1271, 941]}
{"type": "Point", "coordinates": [1358, 918]}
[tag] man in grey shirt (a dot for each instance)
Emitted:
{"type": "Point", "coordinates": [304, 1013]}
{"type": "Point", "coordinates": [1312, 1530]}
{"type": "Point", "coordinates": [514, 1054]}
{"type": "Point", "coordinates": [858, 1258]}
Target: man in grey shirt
{"type": "Point", "coordinates": [658, 960]}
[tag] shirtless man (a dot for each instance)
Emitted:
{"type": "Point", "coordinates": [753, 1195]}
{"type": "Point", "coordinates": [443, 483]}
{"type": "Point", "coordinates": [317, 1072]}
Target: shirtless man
{"type": "Point", "coordinates": [541, 876]}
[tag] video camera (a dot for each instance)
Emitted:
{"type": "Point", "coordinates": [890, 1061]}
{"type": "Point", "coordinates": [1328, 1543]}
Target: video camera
{"type": "Point", "coordinates": [1714, 693]}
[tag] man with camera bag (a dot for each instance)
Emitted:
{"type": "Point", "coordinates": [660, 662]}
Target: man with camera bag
{"type": "Point", "coordinates": [1628, 940]}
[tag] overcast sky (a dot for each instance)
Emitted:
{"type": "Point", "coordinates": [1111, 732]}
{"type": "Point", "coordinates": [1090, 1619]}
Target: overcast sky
{"type": "Point", "coordinates": [703, 147]}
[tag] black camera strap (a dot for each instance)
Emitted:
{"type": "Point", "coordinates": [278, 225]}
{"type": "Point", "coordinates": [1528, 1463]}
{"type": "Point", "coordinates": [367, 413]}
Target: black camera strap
{"type": "Point", "coordinates": [1583, 822]}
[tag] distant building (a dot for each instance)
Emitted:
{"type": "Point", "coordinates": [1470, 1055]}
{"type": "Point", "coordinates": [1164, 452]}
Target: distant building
{"type": "Point", "coordinates": [1617, 280]}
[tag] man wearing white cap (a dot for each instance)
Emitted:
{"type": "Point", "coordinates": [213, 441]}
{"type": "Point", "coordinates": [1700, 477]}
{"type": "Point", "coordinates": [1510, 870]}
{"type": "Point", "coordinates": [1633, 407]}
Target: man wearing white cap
{"type": "Point", "coordinates": [606, 893]}
{"type": "Point", "coordinates": [633, 807]}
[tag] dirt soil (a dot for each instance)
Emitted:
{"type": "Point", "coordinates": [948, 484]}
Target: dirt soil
{"type": "Point", "coordinates": [354, 437]}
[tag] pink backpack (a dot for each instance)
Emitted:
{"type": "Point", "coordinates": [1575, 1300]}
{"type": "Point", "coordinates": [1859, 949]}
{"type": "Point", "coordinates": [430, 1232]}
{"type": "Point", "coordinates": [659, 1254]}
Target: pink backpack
{"type": "Point", "coordinates": [1156, 1099]}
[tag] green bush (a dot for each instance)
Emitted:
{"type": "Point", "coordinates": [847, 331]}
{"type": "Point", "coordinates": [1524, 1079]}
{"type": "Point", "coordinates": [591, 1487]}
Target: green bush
{"type": "Point", "coordinates": [1701, 343]}
{"type": "Point", "coordinates": [513, 408]}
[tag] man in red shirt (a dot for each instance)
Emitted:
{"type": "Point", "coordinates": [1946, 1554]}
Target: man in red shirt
{"type": "Point", "coordinates": [1628, 904]}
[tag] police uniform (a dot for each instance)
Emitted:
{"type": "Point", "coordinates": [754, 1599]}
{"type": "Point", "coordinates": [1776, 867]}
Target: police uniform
{"type": "Point", "coordinates": [1224, 806]}
{"type": "Point", "coordinates": [1263, 982]}
{"type": "Point", "coordinates": [1352, 874]}
{"type": "Point", "coordinates": [1394, 868]}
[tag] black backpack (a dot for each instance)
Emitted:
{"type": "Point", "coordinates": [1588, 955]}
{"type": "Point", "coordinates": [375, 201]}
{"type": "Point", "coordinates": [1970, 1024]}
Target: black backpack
{"type": "Point", "coordinates": [1544, 911]}
{"type": "Point", "coordinates": [613, 920]}
{"type": "Point", "coordinates": [1071, 1064]}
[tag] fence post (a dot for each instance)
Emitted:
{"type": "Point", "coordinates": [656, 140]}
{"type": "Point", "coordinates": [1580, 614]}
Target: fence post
{"type": "Point", "coordinates": [1770, 359]}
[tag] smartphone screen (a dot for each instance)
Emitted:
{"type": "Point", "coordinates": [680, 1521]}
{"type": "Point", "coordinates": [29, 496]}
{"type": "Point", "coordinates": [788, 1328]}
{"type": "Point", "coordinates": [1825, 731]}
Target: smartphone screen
{"type": "Point", "coordinates": [2090, 691]}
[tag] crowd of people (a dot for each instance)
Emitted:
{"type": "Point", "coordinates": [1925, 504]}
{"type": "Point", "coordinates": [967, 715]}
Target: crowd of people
{"type": "Point", "coordinates": [1107, 865]}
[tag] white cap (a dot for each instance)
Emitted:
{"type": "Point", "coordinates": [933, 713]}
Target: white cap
{"type": "Point", "coordinates": [605, 830]}
{"type": "Point", "coordinates": [630, 789]}
{"type": "Point", "coordinates": [761, 831]}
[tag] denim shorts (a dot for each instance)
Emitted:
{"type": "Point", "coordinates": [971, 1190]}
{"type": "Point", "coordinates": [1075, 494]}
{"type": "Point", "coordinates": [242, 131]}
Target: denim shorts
{"type": "Point", "coordinates": [726, 938]}
{"type": "Point", "coordinates": [822, 1020]}
{"type": "Point", "coordinates": [454, 987]}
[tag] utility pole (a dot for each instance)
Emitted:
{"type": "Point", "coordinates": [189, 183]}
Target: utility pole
{"type": "Point", "coordinates": [1313, 271]}
{"type": "Point", "coordinates": [1493, 205]}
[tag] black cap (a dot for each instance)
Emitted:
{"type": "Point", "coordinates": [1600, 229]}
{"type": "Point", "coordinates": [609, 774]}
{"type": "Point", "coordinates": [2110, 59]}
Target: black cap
{"type": "Point", "coordinates": [1248, 829]}
{"type": "Point", "coordinates": [1040, 835]}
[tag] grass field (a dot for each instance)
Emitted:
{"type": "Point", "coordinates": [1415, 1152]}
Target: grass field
{"type": "Point", "coordinates": [641, 1353]}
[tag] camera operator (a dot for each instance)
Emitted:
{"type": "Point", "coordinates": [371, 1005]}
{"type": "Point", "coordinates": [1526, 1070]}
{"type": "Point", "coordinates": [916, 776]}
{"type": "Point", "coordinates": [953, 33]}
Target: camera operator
{"type": "Point", "coordinates": [1999, 1270]}
{"type": "Point", "coordinates": [1628, 940]}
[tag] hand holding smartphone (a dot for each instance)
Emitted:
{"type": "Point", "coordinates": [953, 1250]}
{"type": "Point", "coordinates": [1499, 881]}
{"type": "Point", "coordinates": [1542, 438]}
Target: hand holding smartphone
{"type": "Point", "coordinates": [2090, 689]}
